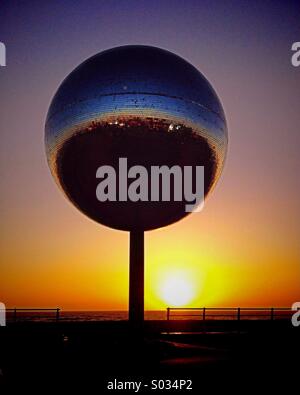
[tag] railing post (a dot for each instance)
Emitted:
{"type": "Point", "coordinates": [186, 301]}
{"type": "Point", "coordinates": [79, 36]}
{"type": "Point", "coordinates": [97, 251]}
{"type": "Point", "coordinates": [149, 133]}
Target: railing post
{"type": "Point", "coordinates": [168, 313]}
{"type": "Point", "coordinates": [203, 314]}
{"type": "Point", "coordinates": [272, 313]}
{"type": "Point", "coordinates": [57, 314]}
{"type": "Point", "coordinates": [15, 314]}
{"type": "Point", "coordinates": [239, 314]}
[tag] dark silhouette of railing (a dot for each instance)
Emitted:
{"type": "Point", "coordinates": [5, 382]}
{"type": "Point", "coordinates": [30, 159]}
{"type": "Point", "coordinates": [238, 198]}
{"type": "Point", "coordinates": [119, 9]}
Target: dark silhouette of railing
{"type": "Point", "coordinates": [233, 313]}
{"type": "Point", "coordinates": [15, 311]}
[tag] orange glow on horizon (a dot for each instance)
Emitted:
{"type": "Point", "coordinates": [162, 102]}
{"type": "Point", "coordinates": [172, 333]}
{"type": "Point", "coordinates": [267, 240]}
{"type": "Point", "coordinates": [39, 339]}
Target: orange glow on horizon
{"type": "Point", "coordinates": [71, 262]}
{"type": "Point", "coordinates": [242, 249]}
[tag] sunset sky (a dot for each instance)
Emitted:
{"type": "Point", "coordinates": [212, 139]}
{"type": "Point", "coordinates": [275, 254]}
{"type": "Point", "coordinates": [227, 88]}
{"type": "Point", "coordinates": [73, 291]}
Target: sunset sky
{"type": "Point", "coordinates": [243, 248]}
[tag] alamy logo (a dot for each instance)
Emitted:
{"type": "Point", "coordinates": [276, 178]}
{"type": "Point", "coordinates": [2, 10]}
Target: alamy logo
{"type": "Point", "coordinates": [296, 316]}
{"type": "Point", "coordinates": [296, 55]}
{"type": "Point", "coordinates": [134, 183]}
{"type": "Point", "coordinates": [2, 314]}
{"type": "Point", "coordinates": [2, 54]}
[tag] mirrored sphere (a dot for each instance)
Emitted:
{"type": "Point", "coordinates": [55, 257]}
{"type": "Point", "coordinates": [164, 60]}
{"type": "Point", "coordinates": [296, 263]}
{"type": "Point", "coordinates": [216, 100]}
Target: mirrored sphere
{"type": "Point", "coordinates": [136, 102]}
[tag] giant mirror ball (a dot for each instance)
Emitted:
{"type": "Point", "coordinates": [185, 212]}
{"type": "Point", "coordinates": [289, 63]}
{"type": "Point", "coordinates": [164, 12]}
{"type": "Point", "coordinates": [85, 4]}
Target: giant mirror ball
{"type": "Point", "coordinates": [136, 102]}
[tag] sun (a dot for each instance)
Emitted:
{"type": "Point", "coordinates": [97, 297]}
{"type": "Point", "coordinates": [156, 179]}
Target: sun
{"type": "Point", "coordinates": [177, 289]}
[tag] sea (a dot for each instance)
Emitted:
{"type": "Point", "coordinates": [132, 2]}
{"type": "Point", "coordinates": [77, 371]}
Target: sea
{"type": "Point", "coordinates": [78, 316]}
{"type": "Point", "coordinates": [89, 316]}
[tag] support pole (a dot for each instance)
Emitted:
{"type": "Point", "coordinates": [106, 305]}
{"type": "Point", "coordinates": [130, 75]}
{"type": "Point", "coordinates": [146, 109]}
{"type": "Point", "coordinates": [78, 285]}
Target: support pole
{"type": "Point", "coordinates": [136, 278]}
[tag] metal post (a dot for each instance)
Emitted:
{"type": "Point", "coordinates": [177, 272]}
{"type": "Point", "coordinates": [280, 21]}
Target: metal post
{"type": "Point", "coordinates": [15, 315]}
{"type": "Point", "coordinates": [272, 313]}
{"type": "Point", "coordinates": [136, 278]}
{"type": "Point", "coordinates": [239, 314]}
{"type": "Point", "coordinates": [57, 314]}
{"type": "Point", "coordinates": [168, 313]}
{"type": "Point", "coordinates": [203, 315]}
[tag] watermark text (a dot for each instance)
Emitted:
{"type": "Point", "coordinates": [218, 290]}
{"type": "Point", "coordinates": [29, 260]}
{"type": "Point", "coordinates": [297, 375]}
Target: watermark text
{"type": "Point", "coordinates": [180, 184]}
{"type": "Point", "coordinates": [295, 59]}
{"type": "Point", "coordinates": [2, 314]}
{"type": "Point", "coordinates": [296, 316]}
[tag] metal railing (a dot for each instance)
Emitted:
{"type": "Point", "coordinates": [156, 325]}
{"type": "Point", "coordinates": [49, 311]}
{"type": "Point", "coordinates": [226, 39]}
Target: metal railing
{"type": "Point", "coordinates": [14, 313]}
{"type": "Point", "coordinates": [233, 313]}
